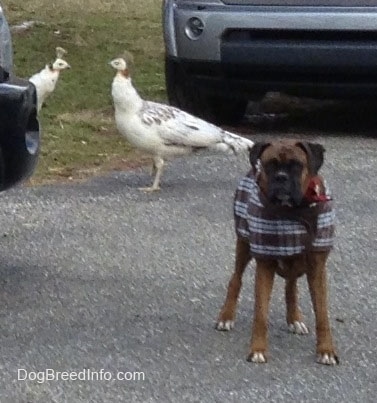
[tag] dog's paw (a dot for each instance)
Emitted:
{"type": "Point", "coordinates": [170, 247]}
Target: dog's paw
{"type": "Point", "coordinates": [298, 328]}
{"type": "Point", "coordinates": [327, 359]}
{"type": "Point", "coordinates": [225, 325]}
{"type": "Point", "coordinates": [257, 357]}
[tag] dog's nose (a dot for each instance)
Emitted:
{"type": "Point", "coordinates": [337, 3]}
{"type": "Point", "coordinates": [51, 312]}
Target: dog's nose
{"type": "Point", "coordinates": [281, 176]}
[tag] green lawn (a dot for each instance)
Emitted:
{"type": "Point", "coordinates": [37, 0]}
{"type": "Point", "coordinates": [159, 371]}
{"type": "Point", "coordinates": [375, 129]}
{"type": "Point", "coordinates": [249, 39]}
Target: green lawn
{"type": "Point", "coordinates": [79, 134]}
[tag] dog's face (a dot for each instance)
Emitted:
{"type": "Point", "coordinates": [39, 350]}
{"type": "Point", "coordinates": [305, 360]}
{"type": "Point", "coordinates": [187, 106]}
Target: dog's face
{"type": "Point", "coordinates": [285, 168]}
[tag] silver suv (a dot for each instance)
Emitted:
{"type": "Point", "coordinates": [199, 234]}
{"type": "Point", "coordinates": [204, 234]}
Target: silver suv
{"type": "Point", "coordinates": [222, 53]}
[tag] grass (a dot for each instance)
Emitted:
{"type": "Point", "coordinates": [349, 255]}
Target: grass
{"type": "Point", "coordinates": [79, 135]}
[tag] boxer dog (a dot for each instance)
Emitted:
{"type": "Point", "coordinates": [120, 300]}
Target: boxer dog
{"type": "Point", "coordinates": [285, 221]}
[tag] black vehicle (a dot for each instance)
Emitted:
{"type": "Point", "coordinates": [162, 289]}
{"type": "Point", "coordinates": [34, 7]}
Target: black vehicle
{"type": "Point", "coordinates": [19, 127]}
{"type": "Point", "coordinates": [222, 53]}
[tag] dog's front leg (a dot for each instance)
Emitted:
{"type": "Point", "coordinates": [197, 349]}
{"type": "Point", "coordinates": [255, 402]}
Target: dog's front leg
{"type": "Point", "coordinates": [294, 316]}
{"type": "Point", "coordinates": [264, 279]}
{"type": "Point", "coordinates": [317, 281]}
{"type": "Point", "coordinates": [227, 314]}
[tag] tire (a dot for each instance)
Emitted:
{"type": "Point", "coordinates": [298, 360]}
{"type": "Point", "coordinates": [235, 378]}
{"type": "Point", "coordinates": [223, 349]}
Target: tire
{"type": "Point", "coordinates": [214, 108]}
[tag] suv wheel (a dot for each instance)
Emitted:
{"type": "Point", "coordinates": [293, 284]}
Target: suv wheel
{"type": "Point", "coordinates": [216, 109]}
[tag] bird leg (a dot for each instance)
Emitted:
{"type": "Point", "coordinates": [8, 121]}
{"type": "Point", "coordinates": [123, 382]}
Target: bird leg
{"type": "Point", "coordinates": [153, 169]}
{"type": "Point", "coordinates": [158, 165]}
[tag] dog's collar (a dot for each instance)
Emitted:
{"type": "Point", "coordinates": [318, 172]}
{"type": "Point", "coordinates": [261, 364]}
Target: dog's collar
{"type": "Point", "coordinates": [316, 191]}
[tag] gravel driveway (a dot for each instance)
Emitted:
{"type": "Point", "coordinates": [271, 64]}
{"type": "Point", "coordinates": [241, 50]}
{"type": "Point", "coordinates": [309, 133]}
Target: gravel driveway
{"type": "Point", "coordinates": [99, 276]}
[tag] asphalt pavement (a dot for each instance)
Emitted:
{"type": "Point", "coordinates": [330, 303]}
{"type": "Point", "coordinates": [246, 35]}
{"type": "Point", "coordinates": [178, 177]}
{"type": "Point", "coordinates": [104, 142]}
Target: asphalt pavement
{"type": "Point", "coordinates": [100, 277]}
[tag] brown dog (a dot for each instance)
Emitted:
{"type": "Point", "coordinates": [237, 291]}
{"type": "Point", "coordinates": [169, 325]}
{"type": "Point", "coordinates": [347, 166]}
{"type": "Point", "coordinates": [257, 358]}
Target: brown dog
{"type": "Point", "coordinates": [284, 219]}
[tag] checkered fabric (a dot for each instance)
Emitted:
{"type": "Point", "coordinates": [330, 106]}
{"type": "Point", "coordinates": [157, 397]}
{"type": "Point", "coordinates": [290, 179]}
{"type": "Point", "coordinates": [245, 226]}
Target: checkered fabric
{"type": "Point", "coordinates": [277, 232]}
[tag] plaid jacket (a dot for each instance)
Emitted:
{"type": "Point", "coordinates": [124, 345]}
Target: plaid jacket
{"type": "Point", "coordinates": [276, 232]}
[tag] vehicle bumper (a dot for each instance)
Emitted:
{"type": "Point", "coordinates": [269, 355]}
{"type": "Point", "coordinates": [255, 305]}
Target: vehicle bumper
{"type": "Point", "coordinates": [218, 19]}
{"type": "Point", "coordinates": [19, 132]}
{"type": "Point", "coordinates": [240, 81]}
{"type": "Point", "coordinates": [313, 51]}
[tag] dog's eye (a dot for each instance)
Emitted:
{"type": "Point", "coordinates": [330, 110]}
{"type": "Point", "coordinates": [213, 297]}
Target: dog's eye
{"type": "Point", "coordinates": [295, 165]}
{"type": "Point", "coordinates": [272, 165]}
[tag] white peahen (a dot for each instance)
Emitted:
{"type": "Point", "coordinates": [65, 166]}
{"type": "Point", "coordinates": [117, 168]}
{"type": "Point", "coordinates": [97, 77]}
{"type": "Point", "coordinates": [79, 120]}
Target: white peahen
{"type": "Point", "coordinates": [161, 130]}
{"type": "Point", "coordinates": [45, 81]}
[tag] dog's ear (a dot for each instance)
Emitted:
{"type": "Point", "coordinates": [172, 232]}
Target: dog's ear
{"type": "Point", "coordinates": [315, 153]}
{"type": "Point", "coordinates": [256, 152]}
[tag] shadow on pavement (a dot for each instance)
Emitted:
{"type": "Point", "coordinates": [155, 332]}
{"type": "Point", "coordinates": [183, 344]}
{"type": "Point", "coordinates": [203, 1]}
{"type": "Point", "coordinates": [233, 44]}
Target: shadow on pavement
{"type": "Point", "coordinates": [281, 113]}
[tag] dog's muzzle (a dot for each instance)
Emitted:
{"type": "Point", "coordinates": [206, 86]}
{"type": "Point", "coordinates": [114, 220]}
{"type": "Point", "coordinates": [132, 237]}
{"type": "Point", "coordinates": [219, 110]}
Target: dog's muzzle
{"type": "Point", "coordinates": [284, 191]}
